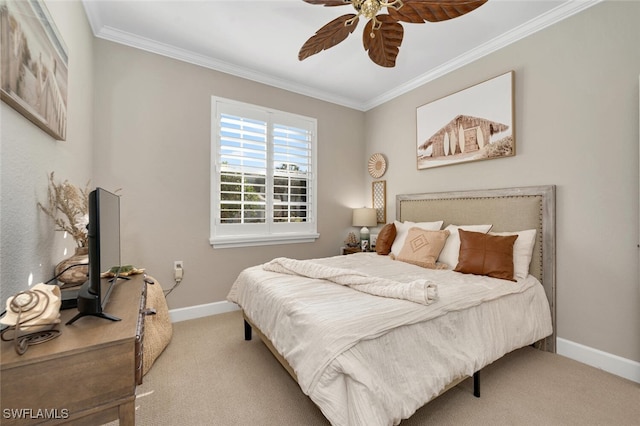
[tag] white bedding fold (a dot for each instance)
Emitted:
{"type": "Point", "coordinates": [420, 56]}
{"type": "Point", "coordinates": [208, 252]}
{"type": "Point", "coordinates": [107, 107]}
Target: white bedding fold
{"type": "Point", "coordinates": [420, 291]}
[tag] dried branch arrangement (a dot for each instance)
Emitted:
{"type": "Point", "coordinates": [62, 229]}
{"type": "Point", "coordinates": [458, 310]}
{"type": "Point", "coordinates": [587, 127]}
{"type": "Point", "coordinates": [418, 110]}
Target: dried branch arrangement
{"type": "Point", "coordinates": [68, 207]}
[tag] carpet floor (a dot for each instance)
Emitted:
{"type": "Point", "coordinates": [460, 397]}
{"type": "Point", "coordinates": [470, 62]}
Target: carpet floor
{"type": "Point", "coordinates": [209, 375]}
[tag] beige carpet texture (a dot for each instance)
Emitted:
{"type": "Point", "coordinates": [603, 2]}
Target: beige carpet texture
{"type": "Point", "coordinates": [209, 375]}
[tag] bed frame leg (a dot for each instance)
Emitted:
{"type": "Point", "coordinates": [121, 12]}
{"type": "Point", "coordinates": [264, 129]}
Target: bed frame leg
{"type": "Point", "coordinates": [247, 330]}
{"type": "Point", "coordinates": [476, 384]}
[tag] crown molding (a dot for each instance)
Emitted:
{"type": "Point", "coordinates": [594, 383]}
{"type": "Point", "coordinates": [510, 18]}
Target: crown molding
{"type": "Point", "coordinates": [555, 15]}
{"type": "Point", "coordinates": [153, 46]}
{"type": "Point", "coordinates": [93, 16]}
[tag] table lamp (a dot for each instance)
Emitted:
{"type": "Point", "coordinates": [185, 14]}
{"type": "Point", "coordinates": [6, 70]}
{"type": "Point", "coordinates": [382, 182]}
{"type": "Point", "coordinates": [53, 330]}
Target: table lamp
{"type": "Point", "coordinates": [364, 217]}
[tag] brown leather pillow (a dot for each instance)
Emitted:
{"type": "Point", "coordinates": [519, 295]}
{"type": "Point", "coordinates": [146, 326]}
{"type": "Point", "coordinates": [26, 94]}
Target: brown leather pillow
{"type": "Point", "coordinates": [385, 239]}
{"type": "Point", "coordinates": [483, 254]}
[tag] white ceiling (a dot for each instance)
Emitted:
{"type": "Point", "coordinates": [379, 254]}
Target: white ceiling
{"type": "Point", "coordinates": [259, 40]}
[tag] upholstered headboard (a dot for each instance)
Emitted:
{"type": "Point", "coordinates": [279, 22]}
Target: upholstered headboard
{"type": "Point", "coordinates": [509, 209]}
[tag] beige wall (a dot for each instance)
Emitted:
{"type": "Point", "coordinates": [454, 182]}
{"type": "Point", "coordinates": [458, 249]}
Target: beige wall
{"type": "Point", "coordinates": [152, 139]}
{"type": "Point", "coordinates": [576, 88]}
{"type": "Point", "coordinates": [29, 246]}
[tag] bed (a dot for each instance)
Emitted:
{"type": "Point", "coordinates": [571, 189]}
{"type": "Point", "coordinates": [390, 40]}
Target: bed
{"type": "Point", "coordinates": [370, 360]}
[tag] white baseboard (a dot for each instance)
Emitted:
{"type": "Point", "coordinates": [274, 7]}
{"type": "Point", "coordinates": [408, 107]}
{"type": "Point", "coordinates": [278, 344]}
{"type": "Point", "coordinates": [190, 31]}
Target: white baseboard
{"type": "Point", "coordinates": [596, 358]}
{"type": "Point", "coordinates": [199, 311]}
{"type": "Point", "coordinates": [610, 363]}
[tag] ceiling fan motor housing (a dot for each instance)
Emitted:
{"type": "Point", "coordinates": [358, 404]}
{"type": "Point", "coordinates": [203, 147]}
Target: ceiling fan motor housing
{"type": "Point", "coordinates": [370, 8]}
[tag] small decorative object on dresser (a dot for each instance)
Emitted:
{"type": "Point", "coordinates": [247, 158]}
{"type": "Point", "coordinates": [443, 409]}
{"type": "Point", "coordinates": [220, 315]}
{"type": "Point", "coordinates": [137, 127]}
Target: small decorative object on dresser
{"type": "Point", "coordinates": [32, 317]}
{"type": "Point", "coordinates": [73, 270]}
{"type": "Point", "coordinates": [68, 207]}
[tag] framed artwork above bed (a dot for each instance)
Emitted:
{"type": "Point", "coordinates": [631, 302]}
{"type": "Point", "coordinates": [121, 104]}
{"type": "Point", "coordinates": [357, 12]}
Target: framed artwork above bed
{"type": "Point", "coordinates": [473, 124]}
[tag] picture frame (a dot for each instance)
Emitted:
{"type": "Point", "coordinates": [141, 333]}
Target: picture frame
{"type": "Point", "coordinates": [379, 199]}
{"type": "Point", "coordinates": [373, 239]}
{"type": "Point", "coordinates": [473, 124]}
{"type": "Point", "coordinates": [34, 65]}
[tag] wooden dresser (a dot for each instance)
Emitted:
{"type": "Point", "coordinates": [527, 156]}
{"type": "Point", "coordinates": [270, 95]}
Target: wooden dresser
{"type": "Point", "coordinates": [87, 375]}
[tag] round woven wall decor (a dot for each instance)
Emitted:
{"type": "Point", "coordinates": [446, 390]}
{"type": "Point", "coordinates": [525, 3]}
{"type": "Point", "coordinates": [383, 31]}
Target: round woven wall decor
{"type": "Point", "coordinates": [377, 165]}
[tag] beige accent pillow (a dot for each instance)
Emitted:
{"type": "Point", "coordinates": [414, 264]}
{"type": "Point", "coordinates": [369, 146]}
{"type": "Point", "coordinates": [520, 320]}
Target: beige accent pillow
{"type": "Point", "coordinates": [385, 239]}
{"type": "Point", "coordinates": [522, 251]}
{"type": "Point", "coordinates": [451, 249]}
{"type": "Point", "coordinates": [402, 228]}
{"type": "Point", "coordinates": [484, 254]}
{"type": "Point", "coordinates": [422, 247]}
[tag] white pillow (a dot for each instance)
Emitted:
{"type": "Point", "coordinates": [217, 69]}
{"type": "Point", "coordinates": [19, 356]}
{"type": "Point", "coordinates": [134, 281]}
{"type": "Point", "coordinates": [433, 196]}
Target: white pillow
{"type": "Point", "coordinates": [522, 251]}
{"type": "Point", "coordinates": [451, 250]}
{"type": "Point", "coordinates": [402, 229]}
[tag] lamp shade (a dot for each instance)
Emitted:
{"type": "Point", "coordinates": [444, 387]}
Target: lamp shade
{"type": "Point", "coordinates": [364, 217]}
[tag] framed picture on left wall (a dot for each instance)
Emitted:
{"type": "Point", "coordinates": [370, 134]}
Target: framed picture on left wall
{"type": "Point", "coordinates": [34, 65]}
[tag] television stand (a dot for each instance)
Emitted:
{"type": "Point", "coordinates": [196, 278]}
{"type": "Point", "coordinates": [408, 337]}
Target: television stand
{"type": "Point", "coordinates": [90, 304]}
{"type": "Point", "coordinates": [95, 314]}
{"type": "Point", "coordinates": [87, 375]}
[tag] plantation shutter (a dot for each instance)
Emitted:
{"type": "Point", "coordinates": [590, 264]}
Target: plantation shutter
{"type": "Point", "coordinates": [263, 187]}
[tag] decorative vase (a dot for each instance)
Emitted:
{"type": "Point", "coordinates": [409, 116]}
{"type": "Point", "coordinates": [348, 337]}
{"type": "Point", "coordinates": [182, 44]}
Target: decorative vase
{"type": "Point", "coordinates": [75, 275]}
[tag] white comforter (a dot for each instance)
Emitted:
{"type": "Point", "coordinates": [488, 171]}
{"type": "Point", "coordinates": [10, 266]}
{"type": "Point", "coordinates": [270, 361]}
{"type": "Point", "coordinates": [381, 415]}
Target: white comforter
{"type": "Point", "coordinates": [370, 360]}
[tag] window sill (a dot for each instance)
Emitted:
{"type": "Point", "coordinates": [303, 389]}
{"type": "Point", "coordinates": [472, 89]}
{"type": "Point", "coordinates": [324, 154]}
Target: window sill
{"type": "Point", "coordinates": [261, 240]}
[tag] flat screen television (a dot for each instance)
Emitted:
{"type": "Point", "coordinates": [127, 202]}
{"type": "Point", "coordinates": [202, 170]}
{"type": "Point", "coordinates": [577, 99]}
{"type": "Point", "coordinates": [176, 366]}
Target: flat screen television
{"type": "Point", "coordinates": [104, 254]}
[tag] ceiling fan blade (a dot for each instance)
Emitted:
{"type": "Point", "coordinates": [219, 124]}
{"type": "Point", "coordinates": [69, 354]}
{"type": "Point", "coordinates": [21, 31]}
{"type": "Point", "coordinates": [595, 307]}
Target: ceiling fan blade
{"type": "Point", "coordinates": [327, 3]}
{"type": "Point", "coordinates": [419, 11]}
{"type": "Point", "coordinates": [383, 47]}
{"type": "Point", "coordinates": [328, 36]}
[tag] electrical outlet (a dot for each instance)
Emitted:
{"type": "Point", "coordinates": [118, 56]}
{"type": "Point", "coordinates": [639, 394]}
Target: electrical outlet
{"type": "Point", "coordinates": [178, 269]}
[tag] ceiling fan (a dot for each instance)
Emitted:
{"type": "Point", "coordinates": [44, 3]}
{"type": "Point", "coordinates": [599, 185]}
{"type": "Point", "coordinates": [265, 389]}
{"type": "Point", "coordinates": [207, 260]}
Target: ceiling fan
{"type": "Point", "coordinates": [383, 33]}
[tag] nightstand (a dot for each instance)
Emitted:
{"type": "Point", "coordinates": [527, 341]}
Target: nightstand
{"type": "Point", "coordinates": [350, 250]}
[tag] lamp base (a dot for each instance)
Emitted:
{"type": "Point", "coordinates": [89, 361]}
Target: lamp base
{"type": "Point", "coordinates": [364, 239]}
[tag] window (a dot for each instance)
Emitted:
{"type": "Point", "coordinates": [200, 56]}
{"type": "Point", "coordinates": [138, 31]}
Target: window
{"type": "Point", "coordinates": [263, 186]}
